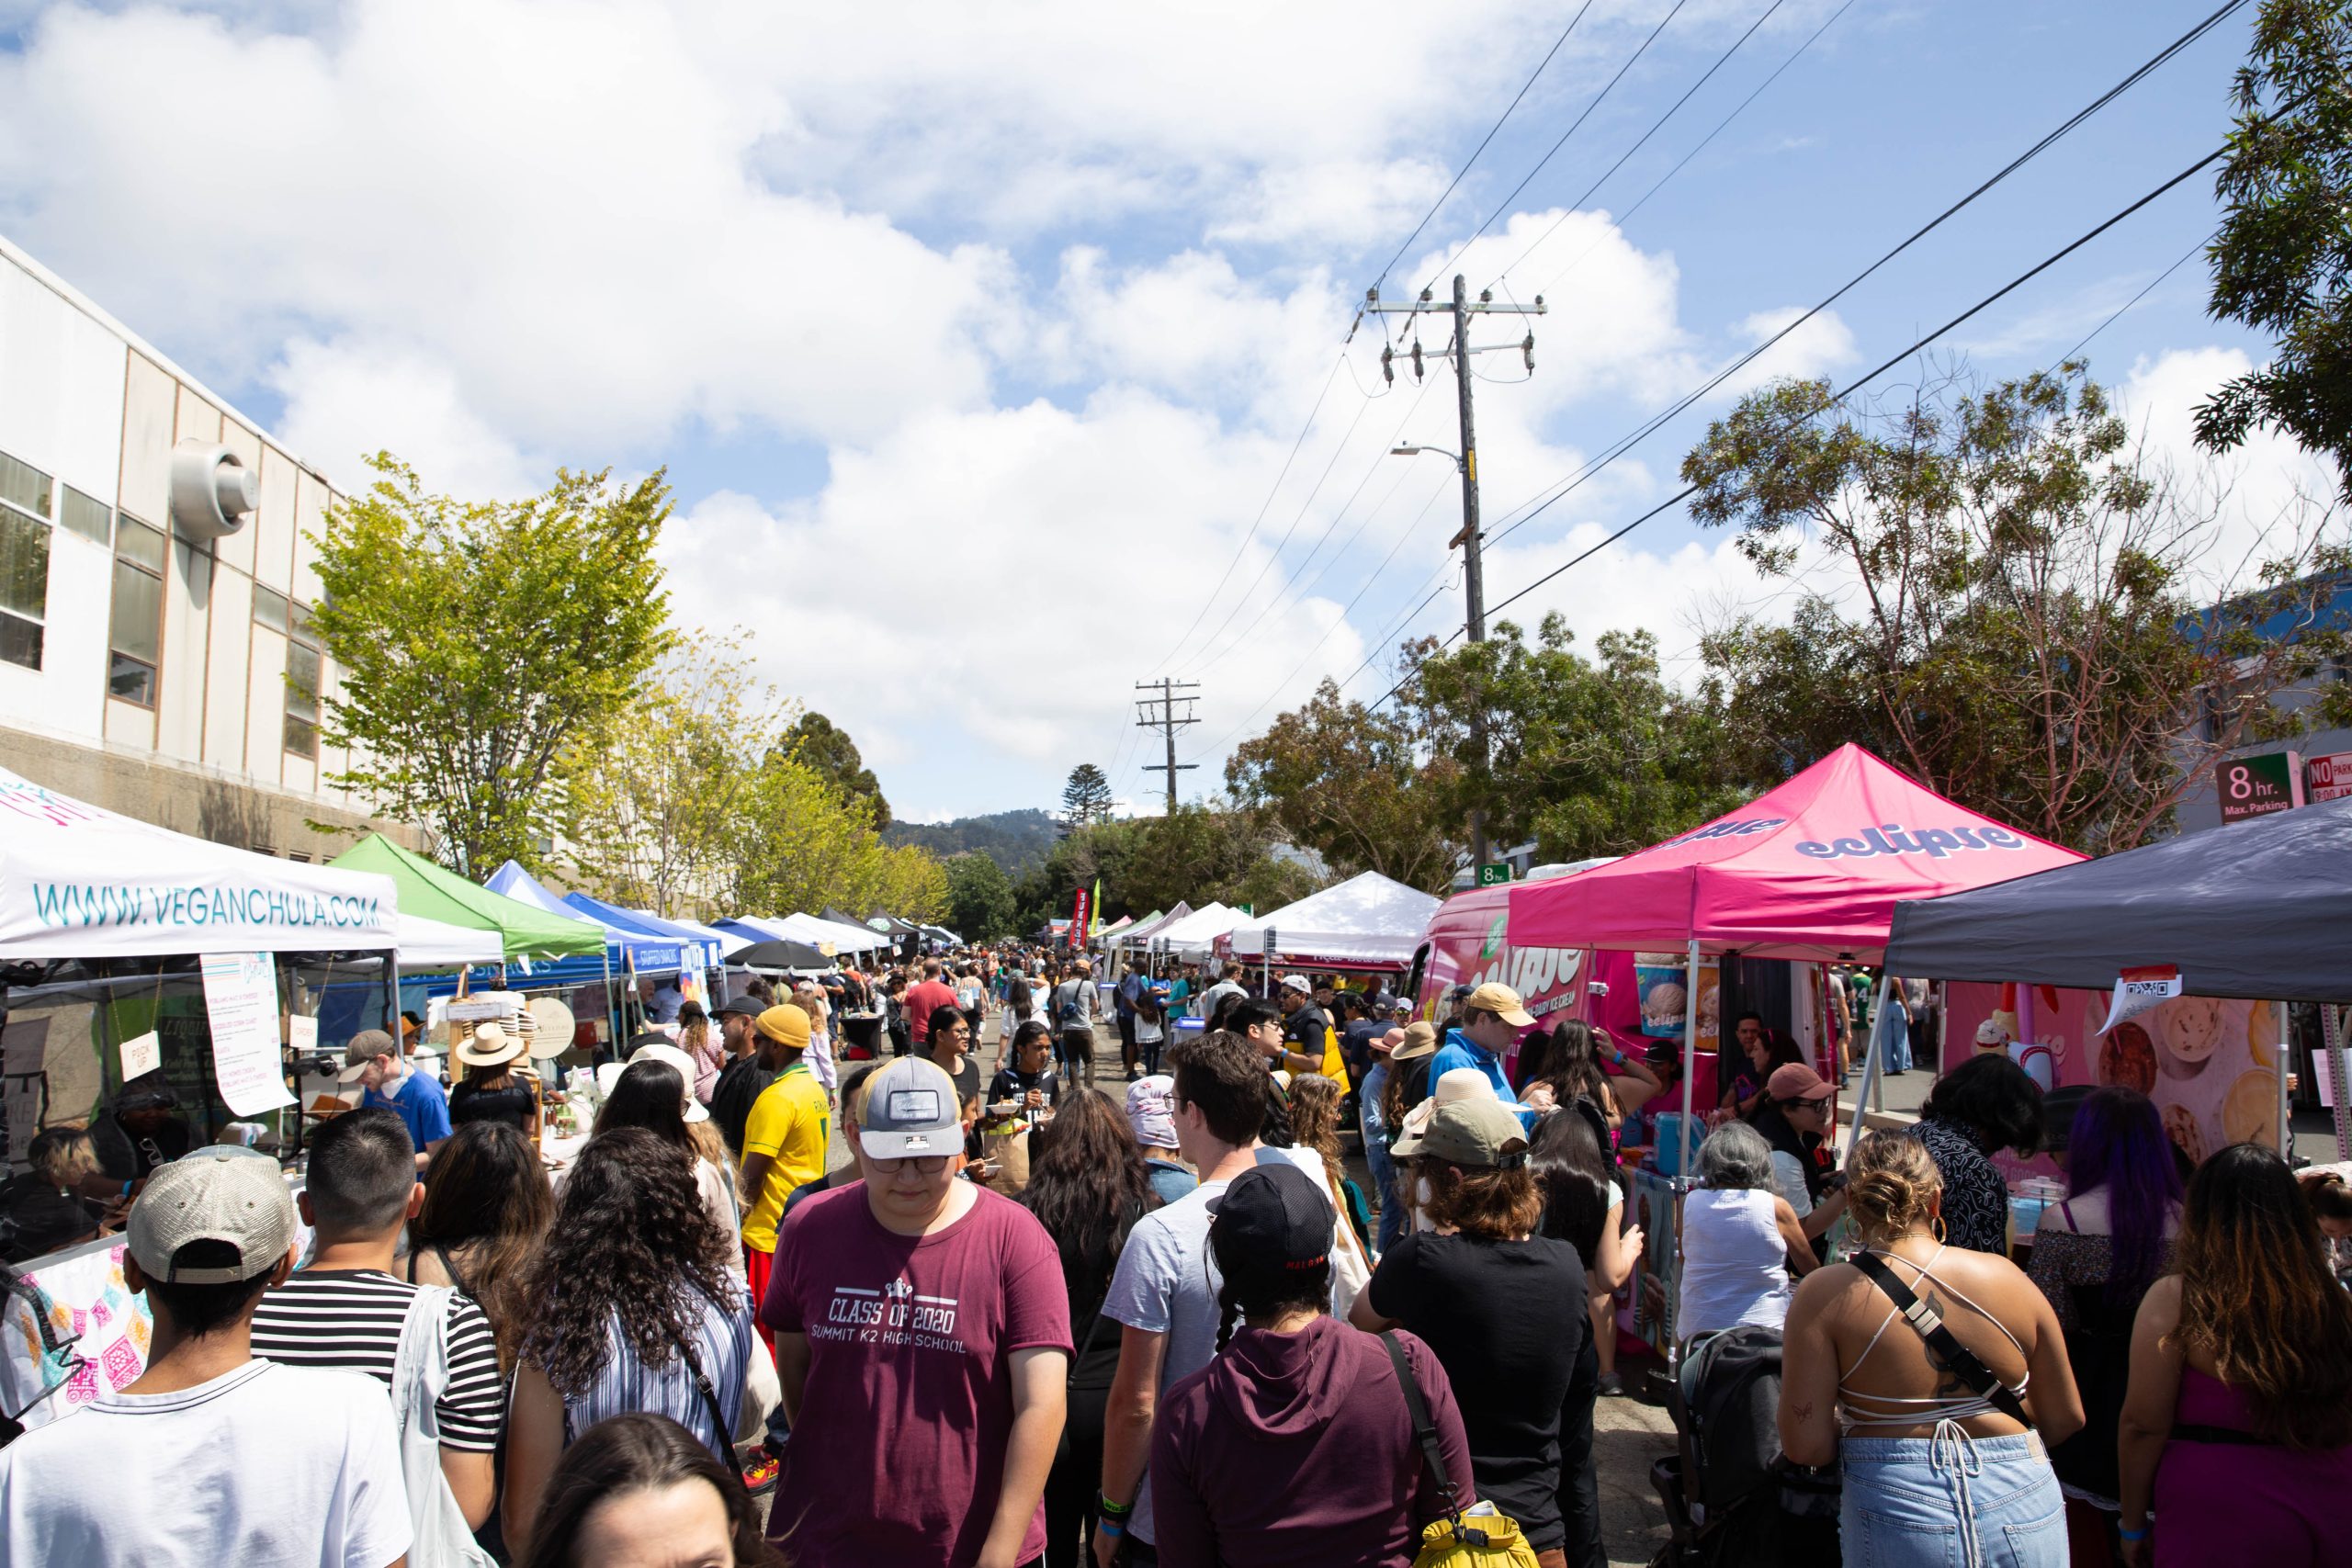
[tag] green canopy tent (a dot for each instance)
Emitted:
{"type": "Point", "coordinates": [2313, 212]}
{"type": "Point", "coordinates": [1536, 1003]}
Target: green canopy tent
{"type": "Point", "coordinates": [524, 930]}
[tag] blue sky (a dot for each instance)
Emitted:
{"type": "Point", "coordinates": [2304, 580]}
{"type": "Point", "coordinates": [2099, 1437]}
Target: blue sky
{"type": "Point", "coordinates": [975, 338]}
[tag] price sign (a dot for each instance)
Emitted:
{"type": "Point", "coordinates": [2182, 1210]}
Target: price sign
{"type": "Point", "coordinates": [2256, 787]}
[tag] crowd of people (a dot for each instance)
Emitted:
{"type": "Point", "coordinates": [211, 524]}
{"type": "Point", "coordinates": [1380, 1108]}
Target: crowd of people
{"type": "Point", "coordinates": [1115, 1298]}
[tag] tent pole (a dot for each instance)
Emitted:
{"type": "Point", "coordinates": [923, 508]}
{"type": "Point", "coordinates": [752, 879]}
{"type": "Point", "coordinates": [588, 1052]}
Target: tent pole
{"type": "Point", "coordinates": [1689, 1059]}
{"type": "Point", "coordinates": [612, 1021]}
{"type": "Point", "coordinates": [2331, 1041]}
{"type": "Point", "coordinates": [1871, 1083]}
{"type": "Point", "coordinates": [2286, 1130]}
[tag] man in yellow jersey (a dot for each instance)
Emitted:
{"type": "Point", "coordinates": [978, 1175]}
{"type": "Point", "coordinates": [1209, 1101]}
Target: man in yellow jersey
{"type": "Point", "coordinates": [784, 1138]}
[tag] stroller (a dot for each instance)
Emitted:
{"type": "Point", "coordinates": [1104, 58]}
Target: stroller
{"type": "Point", "coordinates": [1731, 1499]}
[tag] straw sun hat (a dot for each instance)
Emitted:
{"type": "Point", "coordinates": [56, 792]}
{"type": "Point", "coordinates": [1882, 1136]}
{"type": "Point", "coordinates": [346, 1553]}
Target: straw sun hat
{"type": "Point", "coordinates": [489, 1047]}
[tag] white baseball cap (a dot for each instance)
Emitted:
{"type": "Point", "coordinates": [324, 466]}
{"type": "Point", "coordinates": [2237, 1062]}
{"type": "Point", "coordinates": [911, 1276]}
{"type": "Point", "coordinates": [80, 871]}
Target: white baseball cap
{"type": "Point", "coordinates": [221, 1192]}
{"type": "Point", "coordinates": [909, 1109]}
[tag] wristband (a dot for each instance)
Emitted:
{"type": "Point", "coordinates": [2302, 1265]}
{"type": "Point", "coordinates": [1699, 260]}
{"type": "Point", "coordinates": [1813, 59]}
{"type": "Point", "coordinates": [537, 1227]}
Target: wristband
{"type": "Point", "coordinates": [127, 1186]}
{"type": "Point", "coordinates": [1102, 1504]}
{"type": "Point", "coordinates": [1111, 1527]}
{"type": "Point", "coordinates": [2140, 1534]}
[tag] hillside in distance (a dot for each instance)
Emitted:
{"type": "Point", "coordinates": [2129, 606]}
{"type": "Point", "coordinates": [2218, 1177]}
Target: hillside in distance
{"type": "Point", "coordinates": [1017, 841]}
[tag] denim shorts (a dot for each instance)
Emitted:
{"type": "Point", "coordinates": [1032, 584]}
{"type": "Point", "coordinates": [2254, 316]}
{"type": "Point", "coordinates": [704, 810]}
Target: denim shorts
{"type": "Point", "coordinates": [1950, 1501]}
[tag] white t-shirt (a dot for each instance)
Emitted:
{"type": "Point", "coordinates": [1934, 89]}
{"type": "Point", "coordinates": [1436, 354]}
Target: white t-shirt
{"type": "Point", "coordinates": [268, 1466]}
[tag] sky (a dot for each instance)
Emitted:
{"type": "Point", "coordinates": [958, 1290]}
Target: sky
{"type": "Point", "coordinates": [999, 354]}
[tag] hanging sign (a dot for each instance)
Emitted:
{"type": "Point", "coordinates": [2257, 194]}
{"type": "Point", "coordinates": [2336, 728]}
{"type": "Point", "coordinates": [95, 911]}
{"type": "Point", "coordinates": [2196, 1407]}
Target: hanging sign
{"type": "Point", "coordinates": [241, 1006]}
{"type": "Point", "coordinates": [2137, 991]}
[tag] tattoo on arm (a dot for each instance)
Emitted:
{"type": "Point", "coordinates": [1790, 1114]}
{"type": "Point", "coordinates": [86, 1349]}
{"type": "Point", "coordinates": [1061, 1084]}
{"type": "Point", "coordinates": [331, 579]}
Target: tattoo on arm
{"type": "Point", "coordinates": [1803, 1411]}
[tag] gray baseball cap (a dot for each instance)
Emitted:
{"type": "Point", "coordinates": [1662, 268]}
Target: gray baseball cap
{"type": "Point", "coordinates": [909, 1109]}
{"type": "Point", "coordinates": [216, 1193]}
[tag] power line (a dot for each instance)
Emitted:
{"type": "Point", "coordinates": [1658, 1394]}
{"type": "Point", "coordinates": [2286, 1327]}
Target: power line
{"type": "Point", "coordinates": [1504, 206]}
{"type": "Point", "coordinates": [1619, 226]}
{"type": "Point", "coordinates": [1851, 387]}
{"type": "Point", "coordinates": [1464, 170]}
{"type": "Point", "coordinates": [1656, 126]}
{"type": "Point", "coordinates": [1651, 426]}
{"type": "Point", "coordinates": [1263, 506]}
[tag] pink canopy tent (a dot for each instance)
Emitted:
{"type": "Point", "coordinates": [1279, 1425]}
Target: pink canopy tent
{"type": "Point", "coordinates": [1809, 871]}
{"type": "Point", "coordinates": [1812, 869]}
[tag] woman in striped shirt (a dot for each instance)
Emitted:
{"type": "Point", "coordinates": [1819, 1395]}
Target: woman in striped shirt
{"type": "Point", "coordinates": [637, 1312]}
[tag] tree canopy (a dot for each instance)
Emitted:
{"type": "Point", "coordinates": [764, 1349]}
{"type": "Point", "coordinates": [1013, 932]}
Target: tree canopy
{"type": "Point", "coordinates": [2283, 252]}
{"type": "Point", "coordinates": [486, 648]}
{"type": "Point", "coordinates": [818, 742]}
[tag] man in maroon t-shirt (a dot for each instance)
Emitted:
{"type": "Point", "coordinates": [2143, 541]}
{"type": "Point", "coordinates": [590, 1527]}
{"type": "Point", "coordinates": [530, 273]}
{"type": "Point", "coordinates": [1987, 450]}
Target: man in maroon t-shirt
{"type": "Point", "coordinates": [926, 998]}
{"type": "Point", "coordinates": [923, 1341]}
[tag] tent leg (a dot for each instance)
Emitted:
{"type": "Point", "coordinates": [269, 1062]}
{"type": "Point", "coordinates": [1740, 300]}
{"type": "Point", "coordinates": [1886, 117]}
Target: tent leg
{"type": "Point", "coordinates": [1871, 1083]}
{"type": "Point", "coordinates": [612, 1020]}
{"type": "Point", "coordinates": [1682, 1169]}
{"type": "Point", "coordinates": [2340, 1071]}
{"type": "Point", "coordinates": [2286, 1129]}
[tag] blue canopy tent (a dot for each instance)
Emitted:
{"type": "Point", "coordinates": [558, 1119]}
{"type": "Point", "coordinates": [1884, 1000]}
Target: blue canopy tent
{"type": "Point", "coordinates": [634, 950]}
{"type": "Point", "coordinates": [615, 917]}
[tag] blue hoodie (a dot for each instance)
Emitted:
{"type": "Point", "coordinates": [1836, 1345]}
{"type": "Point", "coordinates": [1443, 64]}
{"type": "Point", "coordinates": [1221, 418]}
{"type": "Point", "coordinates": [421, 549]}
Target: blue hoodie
{"type": "Point", "coordinates": [1460, 1051]}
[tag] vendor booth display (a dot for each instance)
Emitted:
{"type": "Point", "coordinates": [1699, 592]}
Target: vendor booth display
{"type": "Point", "coordinates": [1367, 921]}
{"type": "Point", "coordinates": [2248, 915]}
{"type": "Point", "coordinates": [197, 970]}
{"type": "Point", "coordinates": [1809, 871]}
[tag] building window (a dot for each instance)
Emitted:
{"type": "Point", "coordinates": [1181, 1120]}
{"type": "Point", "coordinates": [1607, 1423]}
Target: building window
{"type": "Point", "coordinates": [270, 609]}
{"type": "Point", "coordinates": [24, 585]}
{"type": "Point", "coordinates": [303, 676]}
{"type": "Point", "coordinates": [138, 637]}
{"type": "Point", "coordinates": [24, 486]}
{"type": "Point", "coordinates": [87, 515]}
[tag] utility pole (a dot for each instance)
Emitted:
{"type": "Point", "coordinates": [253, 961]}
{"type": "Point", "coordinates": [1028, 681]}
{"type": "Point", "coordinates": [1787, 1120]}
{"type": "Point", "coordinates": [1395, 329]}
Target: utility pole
{"type": "Point", "coordinates": [1168, 723]}
{"type": "Point", "coordinates": [1474, 578]}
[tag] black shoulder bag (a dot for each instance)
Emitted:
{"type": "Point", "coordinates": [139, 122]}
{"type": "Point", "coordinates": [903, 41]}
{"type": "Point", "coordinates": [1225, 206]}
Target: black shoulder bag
{"type": "Point", "coordinates": [1425, 1434]}
{"type": "Point", "coordinates": [1944, 1349]}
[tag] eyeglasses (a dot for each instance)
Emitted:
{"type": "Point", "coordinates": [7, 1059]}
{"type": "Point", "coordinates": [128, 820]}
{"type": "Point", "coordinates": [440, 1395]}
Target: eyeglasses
{"type": "Point", "coordinates": [1819, 1104]}
{"type": "Point", "coordinates": [926, 1165]}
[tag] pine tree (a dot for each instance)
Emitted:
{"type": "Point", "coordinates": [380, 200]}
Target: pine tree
{"type": "Point", "coordinates": [1086, 799]}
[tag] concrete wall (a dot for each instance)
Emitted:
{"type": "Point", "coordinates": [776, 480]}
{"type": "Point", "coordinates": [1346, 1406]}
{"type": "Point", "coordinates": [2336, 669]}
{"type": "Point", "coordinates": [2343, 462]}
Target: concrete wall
{"type": "Point", "coordinates": [86, 403]}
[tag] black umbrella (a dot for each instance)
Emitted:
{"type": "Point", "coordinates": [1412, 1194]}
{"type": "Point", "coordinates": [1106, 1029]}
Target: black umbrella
{"type": "Point", "coordinates": [780, 956]}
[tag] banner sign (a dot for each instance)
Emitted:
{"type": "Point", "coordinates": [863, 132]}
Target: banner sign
{"type": "Point", "coordinates": [2138, 990]}
{"type": "Point", "coordinates": [1080, 908]}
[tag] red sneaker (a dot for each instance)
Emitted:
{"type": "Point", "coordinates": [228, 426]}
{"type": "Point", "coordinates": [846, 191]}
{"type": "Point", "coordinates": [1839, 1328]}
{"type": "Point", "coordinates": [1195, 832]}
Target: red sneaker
{"type": "Point", "coordinates": [758, 1475]}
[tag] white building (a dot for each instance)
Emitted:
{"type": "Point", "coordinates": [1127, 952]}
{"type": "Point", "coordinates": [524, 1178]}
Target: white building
{"type": "Point", "coordinates": [147, 638]}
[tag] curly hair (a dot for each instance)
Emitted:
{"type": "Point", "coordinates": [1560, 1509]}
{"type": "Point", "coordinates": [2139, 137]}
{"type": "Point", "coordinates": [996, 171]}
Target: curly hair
{"type": "Point", "coordinates": [1315, 1121]}
{"type": "Point", "coordinates": [632, 1241]}
{"type": "Point", "coordinates": [1890, 1179]}
{"type": "Point", "coordinates": [2257, 1298]}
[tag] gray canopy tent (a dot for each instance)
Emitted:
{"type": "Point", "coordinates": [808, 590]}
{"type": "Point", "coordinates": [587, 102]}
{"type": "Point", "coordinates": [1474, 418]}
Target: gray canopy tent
{"type": "Point", "coordinates": [2257, 909]}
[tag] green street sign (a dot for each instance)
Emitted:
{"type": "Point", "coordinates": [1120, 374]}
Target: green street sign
{"type": "Point", "coordinates": [2258, 786]}
{"type": "Point", "coordinates": [1246, 908]}
{"type": "Point", "coordinates": [1493, 873]}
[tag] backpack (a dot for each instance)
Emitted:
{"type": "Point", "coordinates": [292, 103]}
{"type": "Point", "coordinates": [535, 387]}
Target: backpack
{"type": "Point", "coordinates": [1069, 1004]}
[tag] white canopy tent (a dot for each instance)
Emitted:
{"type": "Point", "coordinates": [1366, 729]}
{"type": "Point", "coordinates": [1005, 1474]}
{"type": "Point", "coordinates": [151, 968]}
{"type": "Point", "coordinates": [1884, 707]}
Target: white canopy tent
{"type": "Point", "coordinates": [1194, 936]}
{"type": "Point", "coordinates": [1139, 935]}
{"type": "Point", "coordinates": [77, 881]}
{"type": "Point", "coordinates": [428, 944]}
{"type": "Point", "coordinates": [1368, 919]}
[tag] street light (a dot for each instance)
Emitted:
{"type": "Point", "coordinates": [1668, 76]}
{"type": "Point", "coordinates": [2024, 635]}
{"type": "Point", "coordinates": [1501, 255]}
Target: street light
{"type": "Point", "coordinates": [1413, 451]}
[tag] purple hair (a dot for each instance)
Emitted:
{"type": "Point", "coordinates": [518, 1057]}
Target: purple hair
{"type": "Point", "coordinates": [2118, 1141]}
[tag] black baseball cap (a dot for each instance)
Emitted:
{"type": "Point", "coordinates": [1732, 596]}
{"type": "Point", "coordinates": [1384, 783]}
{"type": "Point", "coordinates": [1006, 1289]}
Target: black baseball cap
{"type": "Point", "coordinates": [1273, 1219]}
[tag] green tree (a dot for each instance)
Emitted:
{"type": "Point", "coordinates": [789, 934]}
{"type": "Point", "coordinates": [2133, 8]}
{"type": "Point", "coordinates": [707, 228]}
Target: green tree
{"type": "Point", "coordinates": [801, 843]}
{"type": "Point", "coordinates": [658, 806]}
{"type": "Point", "coordinates": [2283, 253]}
{"type": "Point", "coordinates": [1202, 854]}
{"type": "Point", "coordinates": [980, 898]}
{"type": "Point", "coordinates": [486, 648]}
{"type": "Point", "coordinates": [1086, 798]}
{"type": "Point", "coordinates": [1356, 784]}
{"type": "Point", "coordinates": [1587, 757]}
{"type": "Point", "coordinates": [818, 742]}
{"type": "Point", "coordinates": [2025, 629]}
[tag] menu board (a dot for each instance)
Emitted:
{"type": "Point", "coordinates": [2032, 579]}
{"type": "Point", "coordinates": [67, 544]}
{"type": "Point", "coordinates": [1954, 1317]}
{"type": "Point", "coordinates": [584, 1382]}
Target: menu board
{"type": "Point", "coordinates": [241, 1004]}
